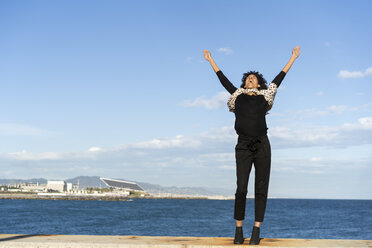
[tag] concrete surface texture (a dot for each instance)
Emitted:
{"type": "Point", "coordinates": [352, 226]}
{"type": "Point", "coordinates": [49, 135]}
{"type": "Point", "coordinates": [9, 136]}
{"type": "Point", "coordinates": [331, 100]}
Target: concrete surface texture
{"type": "Point", "coordinates": [72, 241]}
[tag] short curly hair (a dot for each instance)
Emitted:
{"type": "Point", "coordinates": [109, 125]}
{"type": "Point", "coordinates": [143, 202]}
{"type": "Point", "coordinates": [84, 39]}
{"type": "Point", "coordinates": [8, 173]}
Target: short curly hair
{"type": "Point", "coordinates": [261, 81]}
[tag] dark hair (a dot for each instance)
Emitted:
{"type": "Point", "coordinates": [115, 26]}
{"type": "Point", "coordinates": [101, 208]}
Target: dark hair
{"type": "Point", "coordinates": [261, 81]}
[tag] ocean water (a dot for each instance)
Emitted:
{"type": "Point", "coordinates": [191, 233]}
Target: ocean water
{"type": "Point", "coordinates": [284, 218]}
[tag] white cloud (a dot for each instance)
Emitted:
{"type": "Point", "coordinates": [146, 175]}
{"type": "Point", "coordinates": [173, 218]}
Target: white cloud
{"type": "Point", "coordinates": [213, 144]}
{"type": "Point", "coordinates": [348, 134]}
{"type": "Point", "coordinates": [315, 159]}
{"type": "Point", "coordinates": [225, 50]}
{"type": "Point", "coordinates": [368, 71]}
{"type": "Point", "coordinates": [178, 141]}
{"type": "Point", "coordinates": [366, 122]}
{"type": "Point", "coordinates": [336, 109]}
{"type": "Point", "coordinates": [25, 155]}
{"type": "Point", "coordinates": [364, 107]}
{"type": "Point", "coordinates": [330, 110]}
{"type": "Point", "coordinates": [95, 149]}
{"type": "Point", "coordinates": [217, 101]}
{"type": "Point", "coordinates": [227, 167]}
{"type": "Point", "coordinates": [13, 129]}
{"type": "Point", "coordinates": [208, 145]}
{"type": "Point", "coordinates": [324, 112]}
{"type": "Point", "coordinates": [354, 74]}
{"type": "Point", "coordinates": [320, 93]}
{"type": "Point", "coordinates": [203, 159]}
{"type": "Point", "coordinates": [316, 172]}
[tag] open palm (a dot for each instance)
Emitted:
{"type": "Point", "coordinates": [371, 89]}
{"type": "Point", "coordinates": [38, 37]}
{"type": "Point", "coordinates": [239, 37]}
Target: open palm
{"type": "Point", "coordinates": [207, 55]}
{"type": "Point", "coordinates": [296, 52]}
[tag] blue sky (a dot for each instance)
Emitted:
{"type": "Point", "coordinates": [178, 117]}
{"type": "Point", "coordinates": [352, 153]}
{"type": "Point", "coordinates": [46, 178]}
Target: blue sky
{"type": "Point", "coordinates": [121, 89]}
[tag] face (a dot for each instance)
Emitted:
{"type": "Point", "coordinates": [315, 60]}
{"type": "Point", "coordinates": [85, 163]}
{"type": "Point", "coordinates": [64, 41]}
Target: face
{"type": "Point", "coordinates": [251, 82]}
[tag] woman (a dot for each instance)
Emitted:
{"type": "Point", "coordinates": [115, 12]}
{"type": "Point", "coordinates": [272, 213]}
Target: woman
{"type": "Point", "coordinates": [250, 104]}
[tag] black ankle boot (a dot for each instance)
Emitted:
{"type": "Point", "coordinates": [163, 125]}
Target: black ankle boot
{"type": "Point", "coordinates": [255, 238]}
{"type": "Point", "coordinates": [239, 239]}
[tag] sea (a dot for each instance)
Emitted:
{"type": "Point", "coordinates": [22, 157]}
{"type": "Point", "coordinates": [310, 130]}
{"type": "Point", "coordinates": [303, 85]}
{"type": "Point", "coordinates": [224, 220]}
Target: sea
{"type": "Point", "coordinates": [284, 218]}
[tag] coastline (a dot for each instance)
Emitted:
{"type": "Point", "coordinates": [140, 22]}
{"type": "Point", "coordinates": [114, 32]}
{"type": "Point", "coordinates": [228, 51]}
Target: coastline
{"type": "Point", "coordinates": [33, 196]}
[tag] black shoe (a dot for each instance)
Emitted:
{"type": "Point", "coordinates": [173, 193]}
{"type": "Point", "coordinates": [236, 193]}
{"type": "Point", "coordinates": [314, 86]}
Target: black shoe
{"type": "Point", "coordinates": [255, 238]}
{"type": "Point", "coordinates": [239, 235]}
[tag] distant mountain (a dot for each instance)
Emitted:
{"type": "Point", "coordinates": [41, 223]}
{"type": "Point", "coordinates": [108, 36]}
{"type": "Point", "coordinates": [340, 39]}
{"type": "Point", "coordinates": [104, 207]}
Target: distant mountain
{"type": "Point", "coordinates": [94, 181]}
{"type": "Point", "coordinates": [155, 188]}
{"type": "Point", "coordinates": [17, 181]}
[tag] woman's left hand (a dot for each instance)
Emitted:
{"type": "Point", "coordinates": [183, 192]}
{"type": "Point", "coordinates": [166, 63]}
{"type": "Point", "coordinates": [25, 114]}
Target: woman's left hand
{"type": "Point", "coordinates": [296, 52]}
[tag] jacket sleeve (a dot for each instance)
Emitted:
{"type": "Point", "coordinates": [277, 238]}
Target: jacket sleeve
{"type": "Point", "coordinates": [272, 88]}
{"type": "Point", "coordinates": [226, 82]}
{"type": "Point", "coordinates": [279, 78]}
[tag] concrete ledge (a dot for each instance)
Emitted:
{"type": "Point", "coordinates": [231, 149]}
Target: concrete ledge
{"type": "Point", "coordinates": [73, 241]}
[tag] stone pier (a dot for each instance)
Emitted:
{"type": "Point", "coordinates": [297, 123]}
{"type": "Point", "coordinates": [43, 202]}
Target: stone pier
{"type": "Point", "coordinates": [92, 241]}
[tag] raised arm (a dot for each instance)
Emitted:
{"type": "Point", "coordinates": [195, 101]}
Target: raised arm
{"type": "Point", "coordinates": [208, 57]}
{"type": "Point", "coordinates": [271, 90]}
{"type": "Point", "coordinates": [224, 81]}
{"type": "Point", "coordinates": [295, 53]}
{"type": "Point", "coordinates": [279, 78]}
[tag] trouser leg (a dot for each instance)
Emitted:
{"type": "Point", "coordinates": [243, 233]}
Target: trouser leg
{"type": "Point", "coordinates": [243, 168]}
{"type": "Point", "coordinates": [262, 177]}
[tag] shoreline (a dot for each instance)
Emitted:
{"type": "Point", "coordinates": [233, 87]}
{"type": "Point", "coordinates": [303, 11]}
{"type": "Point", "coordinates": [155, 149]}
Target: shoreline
{"type": "Point", "coordinates": [32, 196]}
{"type": "Point", "coordinates": [54, 197]}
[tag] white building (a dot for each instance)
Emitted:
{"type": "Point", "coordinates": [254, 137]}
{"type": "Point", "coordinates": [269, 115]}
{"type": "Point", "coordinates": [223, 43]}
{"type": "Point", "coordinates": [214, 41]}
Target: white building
{"type": "Point", "coordinates": [124, 187]}
{"type": "Point", "coordinates": [69, 187]}
{"type": "Point", "coordinates": [32, 187]}
{"type": "Point", "coordinates": [60, 186]}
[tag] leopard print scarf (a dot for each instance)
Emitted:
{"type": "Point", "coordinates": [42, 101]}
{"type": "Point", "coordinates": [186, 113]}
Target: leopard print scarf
{"type": "Point", "coordinates": [268, 93]}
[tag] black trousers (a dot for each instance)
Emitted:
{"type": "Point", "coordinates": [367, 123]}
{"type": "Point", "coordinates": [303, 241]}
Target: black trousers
{"type": "Point", "coordinates": [248, 151]}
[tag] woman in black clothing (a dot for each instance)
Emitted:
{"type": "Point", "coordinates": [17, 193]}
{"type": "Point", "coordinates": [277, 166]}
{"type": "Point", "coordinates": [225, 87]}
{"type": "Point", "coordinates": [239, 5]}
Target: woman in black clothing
{"type": "Point", "coordinates": [250, 104]}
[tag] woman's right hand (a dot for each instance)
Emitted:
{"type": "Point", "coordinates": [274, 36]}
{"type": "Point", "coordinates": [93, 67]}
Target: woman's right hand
{"type": "Point", "coordinates": [207, 55]}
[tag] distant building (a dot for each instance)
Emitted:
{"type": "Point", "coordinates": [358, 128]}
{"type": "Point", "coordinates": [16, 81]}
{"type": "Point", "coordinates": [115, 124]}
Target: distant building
{"type": "Point", "coordinates": [121, 184]}
{"type": "Point", "coordinates": [60, 186]}
{"type": "Point", "coordinates": [32, 187]}
{"type": "Point", "coordinates": [69, 187]}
